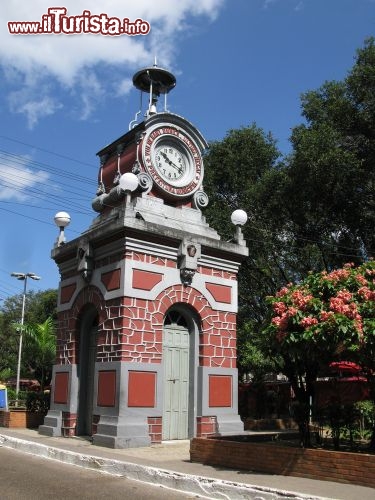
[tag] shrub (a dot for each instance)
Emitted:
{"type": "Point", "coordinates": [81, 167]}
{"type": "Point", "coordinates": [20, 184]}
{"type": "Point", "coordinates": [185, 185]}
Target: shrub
{"type": "Point", "coordinates": [366, 421]}
{"type": "Point", "coordinates": [38, 402]}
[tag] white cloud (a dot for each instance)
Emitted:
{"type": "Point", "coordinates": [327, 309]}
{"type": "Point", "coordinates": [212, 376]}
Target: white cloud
{"type": "Point", "coordinates": [124, 86]}
{"type": "Point", "coordinates": [268, 3]}
{"type": "Point", "coordinates": [17, 182]}
{"type": "Point", "coordinates": [27, 102]}
{"type": "Point", "coordinates": [70, 60]}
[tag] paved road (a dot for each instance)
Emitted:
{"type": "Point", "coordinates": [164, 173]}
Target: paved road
{"type": "Point", "coordinates": [27, 477]}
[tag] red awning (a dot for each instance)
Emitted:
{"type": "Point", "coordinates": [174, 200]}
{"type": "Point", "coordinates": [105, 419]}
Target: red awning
{"type": "Point", "coordinates": [345, 366]}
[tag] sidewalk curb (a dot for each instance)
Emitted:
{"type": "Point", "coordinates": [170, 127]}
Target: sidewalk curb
{"type": "Point", "coordinates": [204, 486]}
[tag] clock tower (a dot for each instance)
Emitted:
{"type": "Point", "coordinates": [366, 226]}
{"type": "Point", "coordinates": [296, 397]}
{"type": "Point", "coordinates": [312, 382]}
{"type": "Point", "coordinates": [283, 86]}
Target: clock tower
{"type": "Point", "coordinates": [148, 294]}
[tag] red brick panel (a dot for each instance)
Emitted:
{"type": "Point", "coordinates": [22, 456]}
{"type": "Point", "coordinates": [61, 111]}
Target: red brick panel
{"type": "Point", "coordinates": [218, 339]}
{"type": "Point", "coordinates": [206, 426]}
{"type": "Point", "coordinates": [66, 293]}
{"type": "Point", "coordinates": [69, 321]}
{"type": "Point", "coordinates": [220, 391]}
{"type": "Point", "coordinates": [20, 419]}
{"type": "Point", "coordinates": [145, 280]}
{"type": "Point", "coordinates": [221, 293]}
{"type": "Point", "coordinates": [131, 329]}
{"type": "Point", "coordinates": [142, 389]}
{"type": "Point", "coordinates": [210, 271]}
{"type": "Point", "coordinates": [61, 388]}
{"type": "Point", "coordinates": [111, 279]}
{"type": "Point", "coordinates": [155, 429]}
{"type": "Point", "coordinates": [69, 423]}
{"type": "Point", "coordinates": [150, 259]}
{"type": "Point", "coordinates": [107, 388]}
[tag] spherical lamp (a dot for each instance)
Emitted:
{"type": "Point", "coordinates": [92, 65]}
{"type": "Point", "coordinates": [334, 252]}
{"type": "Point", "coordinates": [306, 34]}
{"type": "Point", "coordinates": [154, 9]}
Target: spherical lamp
{"type": "Point", "coordinates": [62, 219]}
{"type": "Point", "coordinates": [239, 217]}
{"type": "Point", "coordinates": [128, 182]}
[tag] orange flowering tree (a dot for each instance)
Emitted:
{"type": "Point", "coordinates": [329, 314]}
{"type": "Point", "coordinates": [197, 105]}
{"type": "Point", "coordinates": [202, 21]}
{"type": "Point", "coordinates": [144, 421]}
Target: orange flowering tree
{"type": "Point", "coordinates": [329, 316]}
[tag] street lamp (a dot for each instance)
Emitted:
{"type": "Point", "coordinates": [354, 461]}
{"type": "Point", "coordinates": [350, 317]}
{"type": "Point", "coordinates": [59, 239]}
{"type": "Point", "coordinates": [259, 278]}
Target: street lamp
{"type": "Point", "coordinates": [23, 277]}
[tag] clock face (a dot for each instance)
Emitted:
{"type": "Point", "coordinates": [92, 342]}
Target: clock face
{"type": "Point", "coordinates": [172, 159]}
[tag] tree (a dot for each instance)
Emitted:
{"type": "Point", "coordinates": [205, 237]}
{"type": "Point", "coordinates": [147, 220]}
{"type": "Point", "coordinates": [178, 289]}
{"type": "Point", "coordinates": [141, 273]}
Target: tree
{"type": "Point", "coordinates": [312, 210]}
{"type": "Point", "coordinates": [234, 170]}
{"type": "Point", "coordinates": [244, 171]}
{"type": "Point", "coordinates": [239, 172]}
{"type": "Point", "coordinates": [326, 317]}
{"type": "Point", "coordinates": [331, 179]}
{"type": "Point", "coordinates": [251, 355]}
{"type": "Point", "coordinates": [39, 306]}
{"type": "Point", "coordinates": [40, 350]}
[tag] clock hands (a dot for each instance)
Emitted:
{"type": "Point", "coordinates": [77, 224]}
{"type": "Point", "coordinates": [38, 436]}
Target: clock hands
{"type": "Point", "coordinates": [170, 162]}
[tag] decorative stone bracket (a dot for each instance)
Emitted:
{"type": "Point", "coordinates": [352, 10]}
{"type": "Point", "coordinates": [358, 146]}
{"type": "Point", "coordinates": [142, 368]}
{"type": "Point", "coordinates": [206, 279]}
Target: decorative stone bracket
{"type": "Point", "coordinates": [188, 255]}
{"type": "Point", "coordinates": [85, 258]}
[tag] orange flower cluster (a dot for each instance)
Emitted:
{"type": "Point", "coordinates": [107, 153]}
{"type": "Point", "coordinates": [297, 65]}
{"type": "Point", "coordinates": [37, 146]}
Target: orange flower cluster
{"type": "Point", "coordinates": [366, 293]}
{"type": "Point", "coordinates": [302, 306]}
{"type": "Point", "coordinates": [301, 299]}
{"type": "Point", "coordinates": [336, 276]}
{"type": "Point", "coordinates": [308, 321]}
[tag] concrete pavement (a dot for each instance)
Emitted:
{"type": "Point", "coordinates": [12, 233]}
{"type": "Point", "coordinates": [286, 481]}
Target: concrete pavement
{"type": "Point", "coordinates": [168, 464]}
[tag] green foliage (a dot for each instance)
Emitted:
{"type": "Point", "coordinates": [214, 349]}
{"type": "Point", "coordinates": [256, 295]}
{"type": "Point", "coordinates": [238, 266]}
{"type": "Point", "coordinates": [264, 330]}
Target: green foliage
{"type": "Point", "coordinates": [234, 169]}
{"type": "Point", "coordinates": [239, 173]}
{"type": "Point", "coordinates": [40, 349]}
{"type": "Point", "coordinates": [340, 419]}
{"type": "Point", "coordinates": [5, 374]}
{"type": "Point", "coordinates": [366, 418]}
{"type": "Point", "coordinates": [39, 306]}
{"type": "Point", "coordinates": [348, 424]}
{"type": "Point", "coordinates": [22, 396]}
{"type": "Point", "coordinates": [38, 402]}
{"type": "Point", "coordinates": [330, 172]}
{"type": "Point", "coordinates": [252, 356]}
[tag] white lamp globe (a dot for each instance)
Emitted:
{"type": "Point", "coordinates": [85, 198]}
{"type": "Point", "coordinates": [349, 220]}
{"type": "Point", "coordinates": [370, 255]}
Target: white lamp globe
{"type": "Point", "coordinates": [62, 219]}
{"type": "Point", "coordinates": [128, 182]}
{"type": "Point", "coordinates": [239, 217]}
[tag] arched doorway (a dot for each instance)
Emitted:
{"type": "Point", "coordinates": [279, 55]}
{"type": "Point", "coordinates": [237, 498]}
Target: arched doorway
{"type": "Point", "coordinates": [88, 330]}
{"type": "Point", "coordinates": [179, 360]}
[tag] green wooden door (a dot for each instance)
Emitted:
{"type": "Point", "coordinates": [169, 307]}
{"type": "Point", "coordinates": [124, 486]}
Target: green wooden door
{"type": "Point", "coordinates": [176, 382]}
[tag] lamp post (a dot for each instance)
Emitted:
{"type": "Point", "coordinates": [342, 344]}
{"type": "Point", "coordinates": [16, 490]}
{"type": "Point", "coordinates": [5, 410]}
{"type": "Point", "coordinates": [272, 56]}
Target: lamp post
{"type": "Point", "coordinates": [62, 219]}
{"type": "Point", "coordinates": [23, 277]}
{"type": "Point", "coordinates": [239, 218]}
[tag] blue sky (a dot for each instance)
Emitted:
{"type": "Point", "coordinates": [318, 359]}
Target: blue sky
{"type": "Point", "coordinates": [64, 97]}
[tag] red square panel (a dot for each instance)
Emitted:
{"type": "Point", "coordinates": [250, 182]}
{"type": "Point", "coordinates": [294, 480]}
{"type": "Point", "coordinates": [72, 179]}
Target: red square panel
{"type": "Point", "coordinates": [111, 280]}
{"type": "Point", "coordinates": [145, 280]}
{"type": "Point", "coordinates": [61, 388]}
{"type": "Point", "coordinates": [220, 391]}
{"type": "Point", "coordinates": [142, 389]}
{"type": "Point", "coordinates": [107, 388]}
